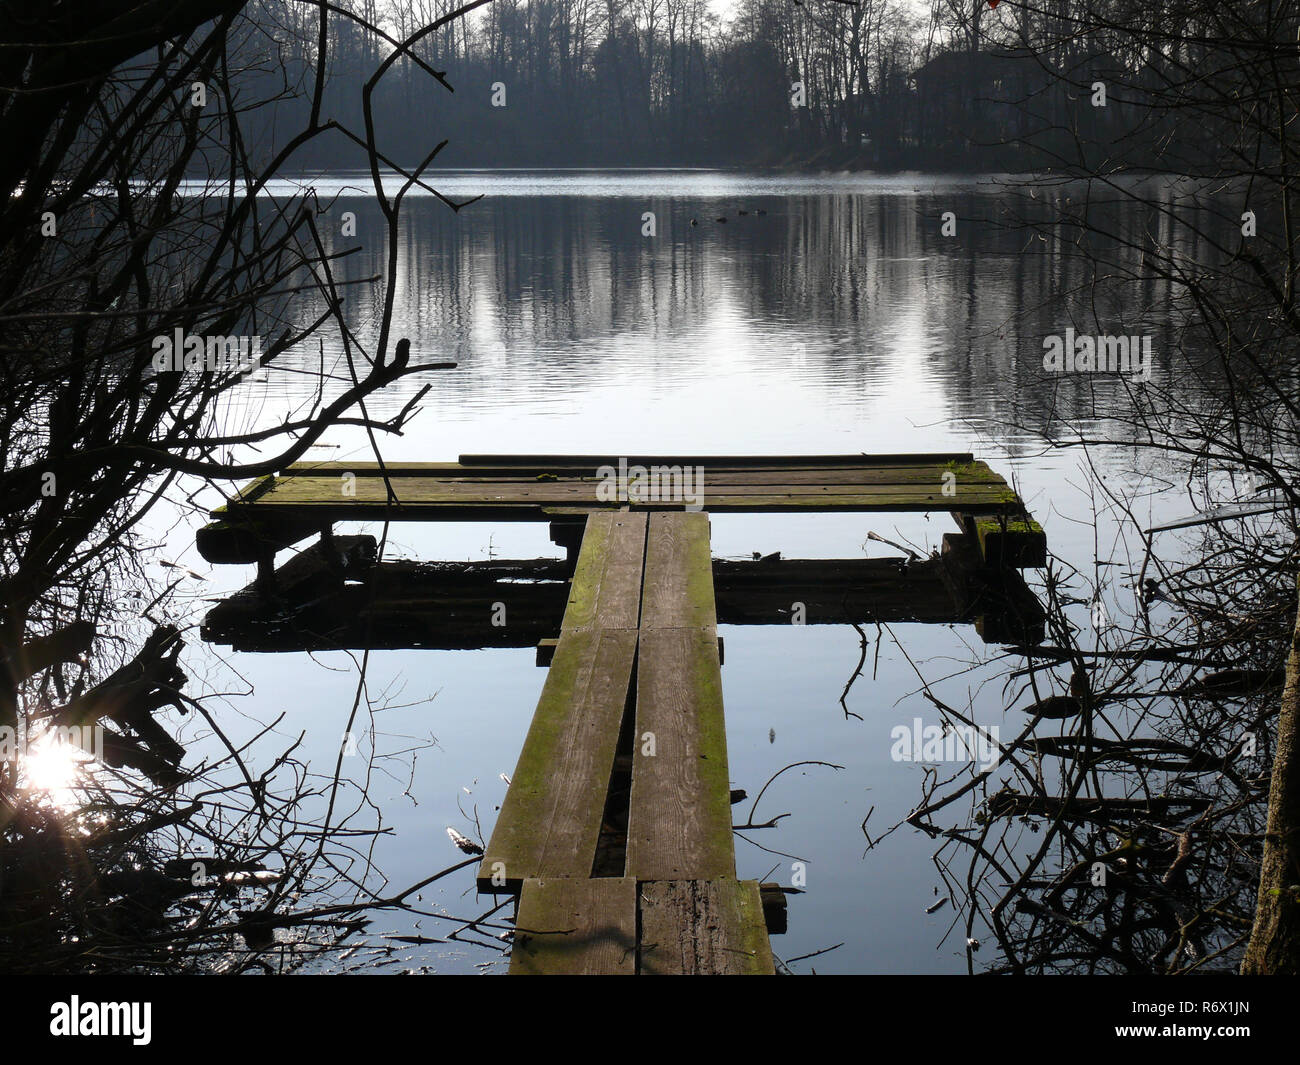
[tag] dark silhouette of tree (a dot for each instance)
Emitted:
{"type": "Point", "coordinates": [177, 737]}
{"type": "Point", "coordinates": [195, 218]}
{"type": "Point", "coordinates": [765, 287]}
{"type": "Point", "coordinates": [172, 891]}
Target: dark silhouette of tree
{"type": "Point", "coordinates": [140, 207]}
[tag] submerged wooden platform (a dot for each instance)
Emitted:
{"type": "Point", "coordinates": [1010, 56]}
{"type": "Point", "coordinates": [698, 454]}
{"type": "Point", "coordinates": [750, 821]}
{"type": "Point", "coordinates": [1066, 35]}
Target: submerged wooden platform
{"type": "Point", "coordinates": [616, 831]}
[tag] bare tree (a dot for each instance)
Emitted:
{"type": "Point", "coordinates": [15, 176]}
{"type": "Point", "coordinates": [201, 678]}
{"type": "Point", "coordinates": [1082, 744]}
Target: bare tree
{"type": "Point", "coordinates": [153, 262]}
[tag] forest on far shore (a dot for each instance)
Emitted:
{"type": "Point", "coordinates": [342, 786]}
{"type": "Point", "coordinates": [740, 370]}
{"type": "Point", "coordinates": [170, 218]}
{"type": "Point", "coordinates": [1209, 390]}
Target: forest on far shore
{"type": "Point", "coordinates": [871, 84]}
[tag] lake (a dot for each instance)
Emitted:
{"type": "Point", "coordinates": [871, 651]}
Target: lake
{"type": "Point", "coordinates": [840, 319]}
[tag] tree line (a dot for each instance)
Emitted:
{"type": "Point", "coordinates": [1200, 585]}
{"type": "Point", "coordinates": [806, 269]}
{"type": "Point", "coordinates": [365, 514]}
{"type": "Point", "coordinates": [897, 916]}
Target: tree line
{"type": "Point", "coordinates": [826, 83]}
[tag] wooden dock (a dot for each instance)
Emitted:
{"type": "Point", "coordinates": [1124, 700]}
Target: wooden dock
{"type": "Point", "coordinates": [616, 831]}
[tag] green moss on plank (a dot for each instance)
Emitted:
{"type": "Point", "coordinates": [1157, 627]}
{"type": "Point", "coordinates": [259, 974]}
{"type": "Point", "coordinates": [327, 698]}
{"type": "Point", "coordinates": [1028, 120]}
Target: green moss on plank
{"type": "Point", "coordinates": [706, 677]}
{"type": "Point", "coordinates": [574, 731]}
{"type": "Point", "coordinates": [755, 945]}
{"type": "Point", "coordinates": [1012, 525]}
{"type": "Point", "coordinates": [977, 472]}
{"type": "Point", "coordinates": [1016, 526]}
{"type": "Point", "coordinates": [592, 559]}
{"type": "Point", "coordinates": [699, 572]}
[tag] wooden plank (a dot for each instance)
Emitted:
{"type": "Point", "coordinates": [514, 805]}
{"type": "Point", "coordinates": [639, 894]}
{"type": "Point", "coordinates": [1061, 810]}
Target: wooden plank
{"type": "Point", "coordinates": [251, 539]}
{"type": "Point", "coordinates": [703, 927]}
{"type": "Point", "coordinates": [576, 928]}
{"type": "Point", "coordinates": [912, 458]}
{"type": "Point", "coordinates": [679, 822]}
{"type": "Point", "coordinates": [424, 490]}
{"type": "Point", "coordinates": [678, 588]}
{"type": "Point", "coordinates": [543, 506]}
{"type": "Point", "coordinates": [1012, 540]}
{"type": "Point", "coordinates": [725, 475]}
{"type": "Point", "coordinates": [606, 587]}
{"type": "Point", "coordinates": [550, 820]}
{"type": "Point", "coordinates": [587, 467]}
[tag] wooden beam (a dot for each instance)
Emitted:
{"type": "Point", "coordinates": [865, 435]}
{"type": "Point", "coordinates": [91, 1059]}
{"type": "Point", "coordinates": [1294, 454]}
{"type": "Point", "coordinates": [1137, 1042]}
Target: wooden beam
{"type": "Point", "coordinates": [451, 605]}
{"type": "Point", "coordinates": [549, 823]}
{"type": "Point", "coordinates": [247, 540]}
{"type": "Point", "coordinates": [703, 927]}
{"type": "Point", "coordinates": [549, 461]}
{"type": "Point", "coordinates": [575, 928]}
{"type": "Point", "coordinates": [678, 588]}
{"type": "Point", "coordinates": [1006, 539]}
{"type": "Point", "coordinates": [679, 823]}
{"type": "Point", "coordinates": [606, 589]}
{"type": "Point", "coordinates": [445, 605]}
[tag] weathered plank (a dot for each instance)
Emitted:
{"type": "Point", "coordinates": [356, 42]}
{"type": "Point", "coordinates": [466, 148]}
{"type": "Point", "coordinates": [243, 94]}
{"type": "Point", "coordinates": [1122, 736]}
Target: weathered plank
{"type": "Point", "coordinates": [327, 492]}
{"type": "Point", "coordinates": [911, 458]}
{"type": "Point", "coordinates": [549, 824]}
{"type": "Point", "coordinates": [550, 820]}
{"type": "Point", "coordinates": [678, 586]}
{"type": "Point", "coordinates": [451, 473]}
{"type": "Point", "coordinates": [276, 511]}
{"type": "Point", "coordinates": [606, 587]}
{"type": "Point", "coordinates": [575, 928]}
{"type": "Point", "coordinates": [1010, 540]}
{"type": "Point", "coordinates": [703, 927]}
{"type": "Point", "coordinates": [679, 822]}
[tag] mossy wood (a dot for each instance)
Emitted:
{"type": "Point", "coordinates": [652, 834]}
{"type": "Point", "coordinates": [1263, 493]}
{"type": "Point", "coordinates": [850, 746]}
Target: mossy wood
{"type": "Point", "coordinates": [550, 821]}
{"type": "Point", "coordinates": [703, 927]}
{"type": "Point", "coordinates": [572, 927]}
{"type": "Point", "coordinates": [277, 511]}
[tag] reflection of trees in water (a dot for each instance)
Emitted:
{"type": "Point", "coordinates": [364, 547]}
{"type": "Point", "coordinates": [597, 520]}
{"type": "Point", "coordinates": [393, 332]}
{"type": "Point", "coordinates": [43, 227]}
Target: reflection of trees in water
{"type": "Point", "coordinates": [1130, 836]}
{"type": "Point", "coordinates": [863, 284]}
{"type": "Point", "coordinates": [1122, 831]}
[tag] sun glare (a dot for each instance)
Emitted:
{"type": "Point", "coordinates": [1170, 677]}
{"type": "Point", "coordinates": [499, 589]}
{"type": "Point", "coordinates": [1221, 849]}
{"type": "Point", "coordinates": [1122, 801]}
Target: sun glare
{"type": "Point", "coordinates": [53, 764]}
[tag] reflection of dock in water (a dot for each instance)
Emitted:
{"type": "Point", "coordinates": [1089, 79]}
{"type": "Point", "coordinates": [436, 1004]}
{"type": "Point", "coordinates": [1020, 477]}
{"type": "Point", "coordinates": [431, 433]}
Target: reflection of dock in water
{"type": "Point", "coordinates": [616, 831]}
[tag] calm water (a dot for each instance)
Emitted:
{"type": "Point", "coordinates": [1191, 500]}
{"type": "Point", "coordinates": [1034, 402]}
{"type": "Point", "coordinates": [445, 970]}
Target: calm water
{"type": "Point", "coordinates": [841, 320]}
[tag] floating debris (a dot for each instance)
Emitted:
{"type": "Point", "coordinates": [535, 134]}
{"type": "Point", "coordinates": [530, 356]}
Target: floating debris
{"type": "Point", "coordinates": [464, 842]}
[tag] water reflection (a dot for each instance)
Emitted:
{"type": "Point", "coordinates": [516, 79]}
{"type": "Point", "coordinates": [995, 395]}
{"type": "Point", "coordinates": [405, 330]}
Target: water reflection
{"type": "Point", "coordinates": [839, 319]}
{"type": "Point", "coordinates": [834, 316]}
